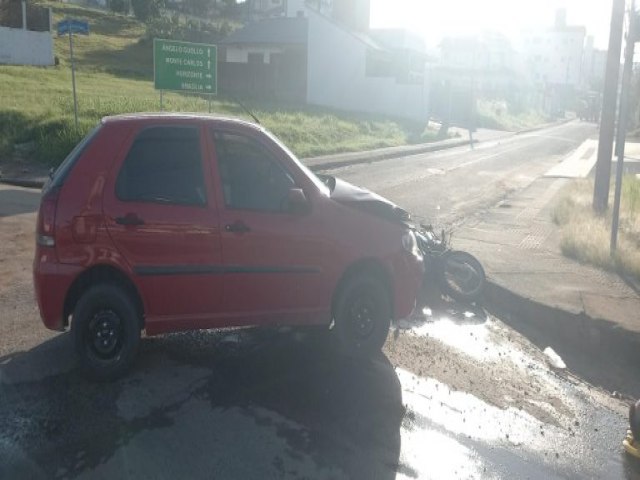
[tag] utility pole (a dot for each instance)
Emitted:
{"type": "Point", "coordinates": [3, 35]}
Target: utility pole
{"type": "Point", "coordinates": [607, 124]}
{"type": "Point", "coordinates": [622, 122]}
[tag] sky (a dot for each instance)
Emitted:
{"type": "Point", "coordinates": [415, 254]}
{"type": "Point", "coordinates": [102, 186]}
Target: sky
{"type": "Point", "coordinates": [434, 19]}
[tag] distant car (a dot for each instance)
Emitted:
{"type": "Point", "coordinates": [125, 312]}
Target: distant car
{"type": "Point", "coordinates": [168, 223]}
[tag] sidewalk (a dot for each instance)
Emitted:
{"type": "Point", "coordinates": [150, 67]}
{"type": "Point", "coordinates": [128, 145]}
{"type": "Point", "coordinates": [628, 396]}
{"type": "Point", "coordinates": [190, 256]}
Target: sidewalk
{"type": "Point", "coordinates": [519, 246]}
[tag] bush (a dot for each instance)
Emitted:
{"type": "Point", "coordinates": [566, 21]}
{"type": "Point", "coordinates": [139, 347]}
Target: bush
{"type": "Point", "coordinates": [146, 9]}
{"type": "Point", "coordinates": [118, 6]}
{"type": "Point", "coordinates": [198, 7]}
{"type": "Point", "coordinates": [586, 236]}
{"type": "Point", "coordinates": [172, 28]}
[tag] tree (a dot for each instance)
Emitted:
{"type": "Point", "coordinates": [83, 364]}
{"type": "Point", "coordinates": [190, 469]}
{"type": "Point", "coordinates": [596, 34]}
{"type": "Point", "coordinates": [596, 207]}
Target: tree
{"type": "Point", "coordinates": [229, 6]}
{"type": "Point", "coordinates": [145, 10]}
{"type": "Point", "coordinates": [198, 7]}
{"type": "Point", "coordinates": [118, 6]}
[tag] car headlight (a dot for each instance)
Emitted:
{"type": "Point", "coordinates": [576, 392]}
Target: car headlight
{"type": "Point", "coordinates": [410, 244]}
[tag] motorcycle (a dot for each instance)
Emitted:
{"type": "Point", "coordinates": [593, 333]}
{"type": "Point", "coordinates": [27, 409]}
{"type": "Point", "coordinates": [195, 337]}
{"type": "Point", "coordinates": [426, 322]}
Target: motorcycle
{"type": "Point", "coordinates": [458, 274]}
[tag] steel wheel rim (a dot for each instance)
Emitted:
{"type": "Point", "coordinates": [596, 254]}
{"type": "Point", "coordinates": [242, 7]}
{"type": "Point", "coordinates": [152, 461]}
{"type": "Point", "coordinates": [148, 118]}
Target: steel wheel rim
{"type": "Point", "coordinates": [362, 316]}
{"type": "Point", "coordinates": [105, 335]}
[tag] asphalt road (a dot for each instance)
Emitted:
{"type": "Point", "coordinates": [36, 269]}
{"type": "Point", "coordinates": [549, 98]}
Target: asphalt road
{"type": "Point", "coordinates": [451, 186]}
{"type": "Point", "coordinates": [456, 393]}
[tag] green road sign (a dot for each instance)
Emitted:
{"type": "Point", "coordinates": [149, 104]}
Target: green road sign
{"type": "Point", "coordinates": [185, 67]}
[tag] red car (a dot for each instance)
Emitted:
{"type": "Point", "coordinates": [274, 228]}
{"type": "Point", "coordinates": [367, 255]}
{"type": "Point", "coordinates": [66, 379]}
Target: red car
{"type": "Point", "coordinates": [166, 223]}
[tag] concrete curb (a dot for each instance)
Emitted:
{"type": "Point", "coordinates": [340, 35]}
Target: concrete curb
{"type": "Point", "coordinates": [326, 162]}
{"type": "Point", "coordinates": [546, 125]}
{"type": "Point", "coordinates": [561, 328]}
{"type": "Point", "coordinates": [346, 159]}
{"type": "Point", "coordinates": [23, 182]}
{"type": "Point", "coordinates": [321, 163]}
{"type": "Point", "coordinates": [370, 156]}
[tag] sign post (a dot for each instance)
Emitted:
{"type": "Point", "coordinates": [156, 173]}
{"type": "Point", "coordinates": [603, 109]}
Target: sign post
{"type": "Point", "coordinates": [185, 67]}
{"type": "Point", "coordinates": [70, 27]}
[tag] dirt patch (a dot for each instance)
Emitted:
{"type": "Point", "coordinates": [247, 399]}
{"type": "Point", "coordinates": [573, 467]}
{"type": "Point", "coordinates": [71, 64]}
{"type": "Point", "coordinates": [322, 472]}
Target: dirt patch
{"type": "Point", "coordinates": [500, 383]}
{"type": "Point", "coordinates": [22, 168]}
{"type": "Point", "coordinates": [20, 328]}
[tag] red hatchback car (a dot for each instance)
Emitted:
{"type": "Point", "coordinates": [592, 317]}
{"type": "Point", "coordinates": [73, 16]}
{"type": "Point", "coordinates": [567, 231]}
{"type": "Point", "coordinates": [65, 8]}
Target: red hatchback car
{"type": "Point", "coordinates": [166, 223]}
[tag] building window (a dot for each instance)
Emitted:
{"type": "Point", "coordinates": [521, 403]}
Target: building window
{"type": "Point", "coordinates": [254, 58]}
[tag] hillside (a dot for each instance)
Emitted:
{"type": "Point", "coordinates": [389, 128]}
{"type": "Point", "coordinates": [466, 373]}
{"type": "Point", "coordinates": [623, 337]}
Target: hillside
{"type": "Point", "coordinates": [114, 75]}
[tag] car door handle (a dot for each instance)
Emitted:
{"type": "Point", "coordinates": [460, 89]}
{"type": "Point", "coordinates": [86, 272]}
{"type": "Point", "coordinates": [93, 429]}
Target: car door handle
{"type": "Point", "coordinates": [130, 219]}
{"type": "Point", "coordinates": [237, 227]}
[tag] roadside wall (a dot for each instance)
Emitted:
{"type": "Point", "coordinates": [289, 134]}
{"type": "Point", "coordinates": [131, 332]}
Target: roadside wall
{"type": "Point", "coordinates": [337, 76]}
{"type": "Point", "coordinates": [23, 47]}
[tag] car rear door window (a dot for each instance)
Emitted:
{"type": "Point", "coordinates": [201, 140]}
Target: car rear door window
{"type": "Point", "coordinates": [251, 177]}
{"type": "Point", "coordinates": [164, 165]}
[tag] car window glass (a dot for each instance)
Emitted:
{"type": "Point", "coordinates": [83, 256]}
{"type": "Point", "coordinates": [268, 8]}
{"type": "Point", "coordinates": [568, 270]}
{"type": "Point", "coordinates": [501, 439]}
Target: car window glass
{"type": "Point", "coordinates": [164, 165]}
{"type": "Point", "coordinates": [251, 178]}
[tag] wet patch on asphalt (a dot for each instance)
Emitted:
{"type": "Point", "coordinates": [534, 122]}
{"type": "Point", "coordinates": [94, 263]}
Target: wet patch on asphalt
{"type": "Point", "coordinates": [472, 352]}
{"type": "Point", "coordinates": [268, 403]}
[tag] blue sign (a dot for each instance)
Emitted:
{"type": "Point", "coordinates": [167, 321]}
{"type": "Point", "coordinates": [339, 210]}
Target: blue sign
{"type": "Point", "coordinates": [73, 26]}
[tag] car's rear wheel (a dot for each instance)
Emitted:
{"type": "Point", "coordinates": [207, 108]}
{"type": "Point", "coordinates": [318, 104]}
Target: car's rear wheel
{"type": "Point", "coordinates": [106, 332]}
{"type": "Point", "coordinates": [362, 315]}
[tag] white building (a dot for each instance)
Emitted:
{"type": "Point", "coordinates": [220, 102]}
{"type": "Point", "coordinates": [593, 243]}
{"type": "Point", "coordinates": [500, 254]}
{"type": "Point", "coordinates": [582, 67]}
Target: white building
{"type": "Point", "coordinates": [323, 52]}
{"type": "Point", "coordinates": [350, 70]}
{"type": "Point", "coordinates": [593, 66]}
{"type": "Point", "coordinates": [25, 34]}
{"type": "Point", "coordinates": [488, 60]}
{"type": "Point", "coordinates": [554, 56]}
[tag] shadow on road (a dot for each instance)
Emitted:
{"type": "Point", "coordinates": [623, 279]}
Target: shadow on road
{"type": "Point", "coordinates": [18, 201]}
{"type": "Point", "coordinates": [242, 404]}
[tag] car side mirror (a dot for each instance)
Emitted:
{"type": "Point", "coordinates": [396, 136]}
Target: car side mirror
{"type": "Point", "coordinates": [297, 201]}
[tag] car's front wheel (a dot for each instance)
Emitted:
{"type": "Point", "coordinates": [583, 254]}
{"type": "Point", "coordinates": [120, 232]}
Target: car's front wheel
{"type": "Point", "coordinates": [362, 315]}
{"type": "Point", "coordinates": [106, 332]}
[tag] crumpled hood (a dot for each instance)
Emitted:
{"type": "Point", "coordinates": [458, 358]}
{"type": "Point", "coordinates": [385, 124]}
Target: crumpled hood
{"type": "Point", "coordinates": [365, 200]}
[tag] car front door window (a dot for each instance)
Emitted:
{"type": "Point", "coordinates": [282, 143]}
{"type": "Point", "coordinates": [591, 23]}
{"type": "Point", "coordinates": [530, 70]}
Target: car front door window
{"type": "Point", "coordinates": [251, 178]}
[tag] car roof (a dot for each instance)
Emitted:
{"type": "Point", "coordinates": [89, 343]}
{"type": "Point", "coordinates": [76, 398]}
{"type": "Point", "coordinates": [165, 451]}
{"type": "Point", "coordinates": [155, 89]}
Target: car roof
{"type": "Point", "coordinates": [173, 117]}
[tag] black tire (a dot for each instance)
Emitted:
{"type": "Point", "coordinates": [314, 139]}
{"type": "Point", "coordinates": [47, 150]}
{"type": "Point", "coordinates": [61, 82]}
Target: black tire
{"type": "Point", "coordinates": [461, 276]}
{"type": "Point", "coordinates": [362, 316]}
{"type": "Point", "coordinates": [106, 332]}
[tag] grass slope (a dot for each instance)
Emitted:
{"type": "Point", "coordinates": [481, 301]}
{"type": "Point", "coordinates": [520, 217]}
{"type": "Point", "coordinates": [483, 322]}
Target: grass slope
{"type": "Point", "coordinates": [114, 75]}
{"type": "Point", "coordinates": [586, 236]}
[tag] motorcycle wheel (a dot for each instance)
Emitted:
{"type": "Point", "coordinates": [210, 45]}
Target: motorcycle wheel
{"type": "Point", "coordinates": [461, 276]}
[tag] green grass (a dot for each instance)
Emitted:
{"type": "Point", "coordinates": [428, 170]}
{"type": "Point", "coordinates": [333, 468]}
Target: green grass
{"type": "Point", "coordinates": [586, 236]}
{"type": "Point", "coordinates": [114, 75]}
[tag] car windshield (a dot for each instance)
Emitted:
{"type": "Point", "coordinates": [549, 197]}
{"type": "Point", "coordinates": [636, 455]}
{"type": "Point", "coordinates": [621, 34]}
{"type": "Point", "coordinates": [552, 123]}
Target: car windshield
{"type": "Point", "coordinates": [319, 239]}
{"type": "Point", "coordinates": [318, 181]}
